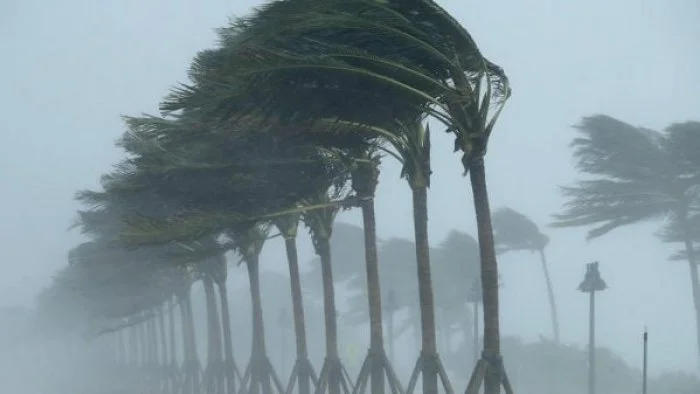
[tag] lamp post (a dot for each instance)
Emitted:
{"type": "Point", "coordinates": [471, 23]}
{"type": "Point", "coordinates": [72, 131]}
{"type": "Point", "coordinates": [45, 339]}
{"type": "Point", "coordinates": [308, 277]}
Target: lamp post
{"type": "Point", "coordinates": [391, 307]}
{"type": "Point", "coordinates": [592, 282]}
{"type": "Point", "coordinates": [645, 339]}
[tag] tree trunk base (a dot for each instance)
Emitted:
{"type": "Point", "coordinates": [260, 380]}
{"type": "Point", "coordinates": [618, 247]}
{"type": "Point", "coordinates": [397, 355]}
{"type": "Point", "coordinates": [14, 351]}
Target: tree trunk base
{"type": "Point", "coordinates": [191, 372]}
{"type": "Point", "coordinates": [373, 359]}
{"type": "Point", "coordinates": [260, 376]}
{"type": "Point", "coordinates": [483, 366]}
{"type": "Point", "coordinates": [433, 363]}
{"type": "Point", "coordinates": [171, 378]}
{"type": "Point", "coordinates": [302, 374]}
{"type": "Point", "coordinates": [334, 378]}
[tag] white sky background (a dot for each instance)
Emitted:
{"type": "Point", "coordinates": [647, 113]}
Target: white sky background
{"type": "Point", "coordinates": [68, 70]}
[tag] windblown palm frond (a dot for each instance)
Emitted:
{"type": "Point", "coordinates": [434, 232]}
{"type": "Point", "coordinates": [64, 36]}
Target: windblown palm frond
{"type": "Point", "coordinates": [632, 177]}
{"type": "Point", "coordinates": [515, 231]}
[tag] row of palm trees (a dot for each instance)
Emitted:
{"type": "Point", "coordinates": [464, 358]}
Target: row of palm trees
{"type": "Point", "coordinates": [284, 123]}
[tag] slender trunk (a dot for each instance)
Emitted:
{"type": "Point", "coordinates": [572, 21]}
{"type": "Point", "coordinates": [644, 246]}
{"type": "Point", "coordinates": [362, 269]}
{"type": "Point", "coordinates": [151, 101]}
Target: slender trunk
{"type": "Point", "coordinates": [153, 372]}
{"type": "Point", "coordinates": [693, 265]}
{"type": "Point", "coordinates": [215, 359]}
{"type": "Point", "coordinates": [228, 340]}
{"type": "Point", "coordinates": [184, 329]}
{"type": "Point", "coordinates": [191, 359]}
{"type": "Point", "coordinates": [163, 338]}
{"type": "Point", "coordinates": [171, 336]}
{"type": "Point", "coordinates": [425, 290]}
{"type": "Point", "coordinates": [550, 296]}
{"type": "Point", "coordinates": [258, 353]}
{"type": "Point", "coordinates": [133, 346]}
{"type": "Point", "coordinates": [374, 295]}
{"type": "Point", "coordinates": [172, 362]}
{"type": "Point", "coordinates": [153, 341]}
{"type": "Point", "coordinates": [214, 331]}
{"type": "Point", "coordinates": [143, 344]}
{"type": "Point", "coordinates": [324, 250]}
{"type": "Point", "coordinates": [298, 313]}
{"type": "Point", "coordinates": [489, 277]}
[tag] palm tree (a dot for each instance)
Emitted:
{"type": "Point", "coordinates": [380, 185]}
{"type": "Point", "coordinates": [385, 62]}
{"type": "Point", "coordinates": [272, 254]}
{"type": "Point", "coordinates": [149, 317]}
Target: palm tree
{"type": "Point", "coordinates": [516, 232]}
{"type": "Point", "coordinates": [320, 46]}
{"type": "Point", "coordinates": [320, 224]}
{"type": "Point", "coordinates": [634, 175]}
{"type": "Point", "coordinates": [302, 371]}
{"type": "Point", "coordinates": [457, 264]}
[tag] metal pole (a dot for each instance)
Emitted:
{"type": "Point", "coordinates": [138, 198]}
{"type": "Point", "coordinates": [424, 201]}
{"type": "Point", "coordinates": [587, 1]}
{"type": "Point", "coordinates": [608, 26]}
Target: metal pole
{"type": "Point", "coordinates": [644, 374]}
{"type": "Point", "coordinates": [591, 345]}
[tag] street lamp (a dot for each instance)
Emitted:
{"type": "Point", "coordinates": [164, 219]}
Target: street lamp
{"type": "Point", "coordinates": [592, 282]}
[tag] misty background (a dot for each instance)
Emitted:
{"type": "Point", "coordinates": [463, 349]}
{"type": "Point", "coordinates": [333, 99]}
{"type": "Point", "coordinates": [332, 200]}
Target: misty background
{"type": "Point", "coordinates": [70, 69]}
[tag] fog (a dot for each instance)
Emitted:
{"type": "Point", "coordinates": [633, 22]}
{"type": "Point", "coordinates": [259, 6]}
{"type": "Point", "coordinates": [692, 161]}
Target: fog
{"type": "Point", "coordinates": [70, 69]}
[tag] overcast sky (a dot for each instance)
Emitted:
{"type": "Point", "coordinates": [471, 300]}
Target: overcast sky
{"type": "Point", "coordinates": [69, 69]}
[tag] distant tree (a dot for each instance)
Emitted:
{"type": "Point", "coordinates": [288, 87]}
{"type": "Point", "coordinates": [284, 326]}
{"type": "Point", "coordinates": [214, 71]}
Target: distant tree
{"type": "Point", "coordinates": [633, 175]}
{"type": "Point", "coordinates": [516, 232]}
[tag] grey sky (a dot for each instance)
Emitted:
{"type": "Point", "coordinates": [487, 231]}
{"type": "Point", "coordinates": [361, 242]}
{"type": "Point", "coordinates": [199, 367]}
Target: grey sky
{"type": "Point", "coordinates": [69, 69]}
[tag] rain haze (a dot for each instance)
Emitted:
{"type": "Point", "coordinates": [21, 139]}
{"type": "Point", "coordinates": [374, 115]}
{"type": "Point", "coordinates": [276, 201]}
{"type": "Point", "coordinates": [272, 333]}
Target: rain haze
{"type": "Point", "coordinates": [69, 70]}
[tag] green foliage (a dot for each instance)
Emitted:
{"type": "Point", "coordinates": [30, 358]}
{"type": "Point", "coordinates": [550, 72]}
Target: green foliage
{"type": "Point", "coordinates": [634, 174]}
{"type": "Point", "coordinates": [515, 231]}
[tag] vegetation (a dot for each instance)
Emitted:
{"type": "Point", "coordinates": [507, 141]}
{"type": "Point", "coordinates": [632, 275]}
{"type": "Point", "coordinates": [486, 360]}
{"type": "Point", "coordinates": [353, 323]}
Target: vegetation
{"type": "Point", "coordinates": [286, 122]}
{"type": "Point", "coordinates": [634, 175]}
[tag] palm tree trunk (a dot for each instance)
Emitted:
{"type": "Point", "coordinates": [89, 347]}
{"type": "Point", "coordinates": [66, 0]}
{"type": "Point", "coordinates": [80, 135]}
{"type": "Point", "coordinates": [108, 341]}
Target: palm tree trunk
{"type": "Point", "coordinates": [329, 312]}
{"type": "Point", "coordinates": [298, 314]}
{"type": "Point", "coordinates": [190, 358]}
{"type": "Point", "coordinates": [154, 376]}
{"type": "Point", "coordinates": [258, 352]}
{"type": "Point", "coordinates": [143, 344]}
{"type": "Point", "coordinates": [163, 339]}
{"type": "Point", "coordinates": [214, 338]}
{"type": "Point", "coordinates": [374, 295]}
{"type": "Point", "coordinates": [694, 280]}
{"type": "Point", "coordinates": [489, 277]}
{"type": "Point", "coordinates": [172, 362]}
{"type": "Point", "coordinates": [133, 350]}
{"type": "Point", "coordinates": [228, 340]}
{"type": "Point", "coordinates": [550, 296]}
{"type": "Point", "coordinates": [171, 332]}
{"type": "Point", "coordinates": [425, 291]}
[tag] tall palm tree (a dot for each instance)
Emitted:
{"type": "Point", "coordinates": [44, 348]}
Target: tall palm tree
{"type": "Point", "coordinates": [634, 175]}
{"type": "Point", "coordinates": [249, 241]}
{"type": "Point", "coordinates": [302, 371]}
{"type": "Point", "coordinates": [419, 58]}
{"type": "Point", "coordinates": [457, 264]}
{"type": "Point", "coordinates": [516, 232]}
{"type": "Point", "coordinates": [320, 224]}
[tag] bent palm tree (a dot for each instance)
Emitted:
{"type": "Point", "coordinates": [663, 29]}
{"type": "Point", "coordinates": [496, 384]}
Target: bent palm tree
{"type": "Point", "coordinates": [637, 175]}
{"type": "Point", "coordinates": [515, 232]}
